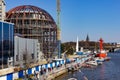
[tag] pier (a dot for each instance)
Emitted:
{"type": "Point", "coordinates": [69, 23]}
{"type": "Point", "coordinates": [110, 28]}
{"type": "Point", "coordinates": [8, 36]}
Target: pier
{"type": "Point", "coordinates": [47, 71]}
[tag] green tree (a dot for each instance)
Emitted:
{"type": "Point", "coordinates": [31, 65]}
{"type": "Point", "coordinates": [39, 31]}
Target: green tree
{"type": "Point", "coordinates": [70, 51]}
{"type": "Point", "coordinates": [63, 48]}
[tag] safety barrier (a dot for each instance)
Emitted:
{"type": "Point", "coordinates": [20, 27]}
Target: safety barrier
{"type": "Point", "coordinates": [29, 71]}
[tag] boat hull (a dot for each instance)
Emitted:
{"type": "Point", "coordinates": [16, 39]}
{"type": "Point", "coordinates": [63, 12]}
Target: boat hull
{"type": "Point", "coordinates": [102, 55]}
{"type": "Point", "coordinates": [94, 63]}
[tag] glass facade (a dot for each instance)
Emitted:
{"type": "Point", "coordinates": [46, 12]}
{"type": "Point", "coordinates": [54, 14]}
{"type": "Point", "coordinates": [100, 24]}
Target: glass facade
{"type": "Point", "coordinates": [6, 45]}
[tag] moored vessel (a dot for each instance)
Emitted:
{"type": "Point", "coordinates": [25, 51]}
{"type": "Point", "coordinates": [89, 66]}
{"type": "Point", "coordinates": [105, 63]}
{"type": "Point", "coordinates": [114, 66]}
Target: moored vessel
{"type": "Point", "coordinates": [102, 53]}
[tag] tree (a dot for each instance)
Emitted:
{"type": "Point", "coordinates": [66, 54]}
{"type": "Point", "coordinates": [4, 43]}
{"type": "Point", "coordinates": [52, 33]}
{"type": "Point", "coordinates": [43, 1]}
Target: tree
{"type": "Point", "coordinates": [70, 51]}
{"type": "Point", "coordinates": [63, 48]}
{"type": "Point", "coordinates": [27, 58]}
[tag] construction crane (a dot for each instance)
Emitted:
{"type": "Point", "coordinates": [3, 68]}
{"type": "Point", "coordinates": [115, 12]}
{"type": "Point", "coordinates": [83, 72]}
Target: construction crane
{"type": "Point", "coordinates": [58, 29]}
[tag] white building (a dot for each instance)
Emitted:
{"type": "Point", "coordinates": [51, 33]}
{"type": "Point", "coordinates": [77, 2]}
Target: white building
{"type": "Point", "coordinates": [2, 10]}
{"type": "Point", "coordinates": [26, 51]}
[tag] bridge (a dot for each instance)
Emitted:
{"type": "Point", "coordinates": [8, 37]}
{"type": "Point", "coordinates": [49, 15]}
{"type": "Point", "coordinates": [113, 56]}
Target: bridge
{"type": "Point", "coordinates": [115, 49]}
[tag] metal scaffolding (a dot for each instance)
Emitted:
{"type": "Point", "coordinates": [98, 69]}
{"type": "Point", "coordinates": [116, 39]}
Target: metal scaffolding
{"type": "Point", "coordinates": [36, 23]}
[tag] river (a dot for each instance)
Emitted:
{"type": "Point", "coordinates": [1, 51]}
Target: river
{"type": "Point", "coordinates": [109, 70]}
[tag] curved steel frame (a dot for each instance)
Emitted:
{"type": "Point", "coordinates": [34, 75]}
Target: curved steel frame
{"type": "Point", "coordinates": [34, 22]}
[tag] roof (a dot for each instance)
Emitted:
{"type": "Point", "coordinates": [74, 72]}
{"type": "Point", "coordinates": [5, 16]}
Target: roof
{"type": "Point", "coordinates": [28, 9]}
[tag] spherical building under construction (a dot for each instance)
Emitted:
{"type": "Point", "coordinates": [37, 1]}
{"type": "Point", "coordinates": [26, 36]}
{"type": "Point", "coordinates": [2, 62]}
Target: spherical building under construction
{"type": "Point", "coordinates": [34, 22]}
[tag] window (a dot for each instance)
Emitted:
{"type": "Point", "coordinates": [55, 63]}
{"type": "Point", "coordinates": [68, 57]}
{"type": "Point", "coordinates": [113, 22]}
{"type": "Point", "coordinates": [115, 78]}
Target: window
{"type": "Point", "coordinates": [24, 57]}
{"type": "Point", "coordinates": [32, 55]}
{"type": "Point", "coordinates": [17, 58]}
{"type": "Point", "coordinates": [10, 63]}
{"type": "Point", "coordinates": [37, 55]}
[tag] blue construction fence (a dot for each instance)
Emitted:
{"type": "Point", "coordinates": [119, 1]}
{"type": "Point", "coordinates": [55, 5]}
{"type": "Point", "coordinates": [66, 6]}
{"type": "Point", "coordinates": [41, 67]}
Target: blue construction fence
{"type": "Point", "coordinates": [20, 74]}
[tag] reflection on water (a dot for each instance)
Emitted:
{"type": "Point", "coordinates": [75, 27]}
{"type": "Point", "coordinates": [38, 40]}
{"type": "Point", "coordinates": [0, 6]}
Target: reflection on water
{"type": "Point", "coordinates": [109, 70]}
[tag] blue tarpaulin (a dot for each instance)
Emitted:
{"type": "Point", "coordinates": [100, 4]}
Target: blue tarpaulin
{"type": "Point", "coordinates": [37, 68]}
{"type": "Point", "coordinates": [79, 53]}
{"type": "Point", "coordinates": [59, 62]}
{"type": "Point", "coordinates": [10, 76]}
{"type": "Point", "coordinates": [29, 71]}
{"type": "Point", "coordinates": [62, 61]}
{"type": "Point", "coordinates": [20, 74]}
{"type": "Point", "coordinates": [55, 63]}
{"type": "Point", "coordinates": [67, 61]}
{"type": "Point", "coordinates": [51, 65]}
{"type": "Point", "coordinates": [46, 66]}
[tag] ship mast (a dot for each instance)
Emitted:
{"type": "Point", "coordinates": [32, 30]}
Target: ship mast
{"type": "Point", "coordinates": [77, 44]}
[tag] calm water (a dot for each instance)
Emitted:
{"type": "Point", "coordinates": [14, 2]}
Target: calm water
{"type": "Point", "coordinates": [109, 70]}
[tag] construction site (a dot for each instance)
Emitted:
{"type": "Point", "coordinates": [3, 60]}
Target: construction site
{"type": "Point", "coordinates": [35, 23]}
